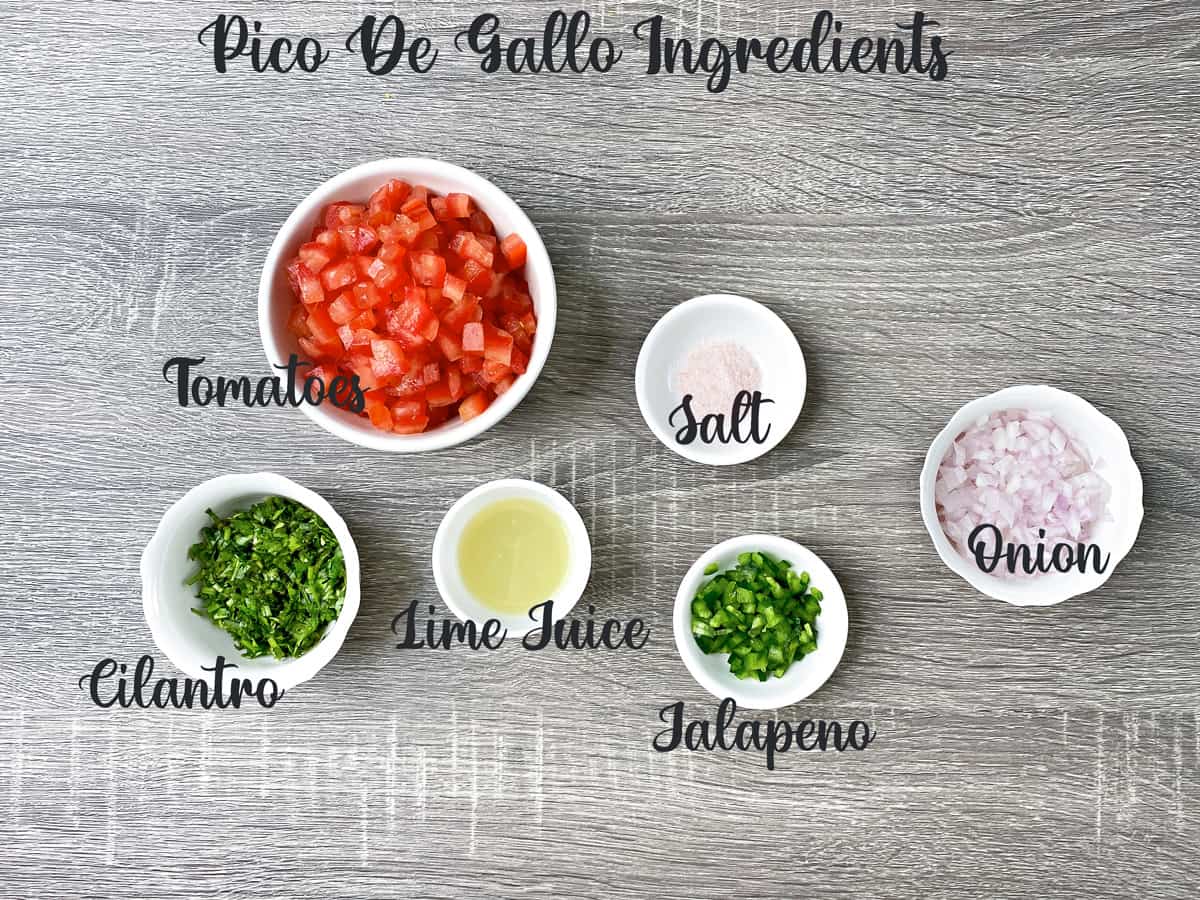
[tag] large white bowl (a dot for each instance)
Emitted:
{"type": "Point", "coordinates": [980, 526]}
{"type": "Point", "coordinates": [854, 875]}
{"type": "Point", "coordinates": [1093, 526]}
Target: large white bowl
{"type": "Point", "coordinates": [191, 641]}
{"type": "Point", "coordinates": [1107, 445]}
{"type": "Point", "coordinates": [275, 298]}
{"type": "Point", "coordinates": [711, 670]}
{"type": "Point", "coordinates": [448, 575]}
{"type": "Point", "coordinates": [714, 318]}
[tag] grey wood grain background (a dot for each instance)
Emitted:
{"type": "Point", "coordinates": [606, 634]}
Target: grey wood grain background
{"type": "Point", "coordinates": [1031, 219]}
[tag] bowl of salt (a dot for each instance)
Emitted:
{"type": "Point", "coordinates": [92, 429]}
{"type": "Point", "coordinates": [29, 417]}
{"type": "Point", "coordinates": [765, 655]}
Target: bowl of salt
{"type": "Point", "coordinates": [720, 379]}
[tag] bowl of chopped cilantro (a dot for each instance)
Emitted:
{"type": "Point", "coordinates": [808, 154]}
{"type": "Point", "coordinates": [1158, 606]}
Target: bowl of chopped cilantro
{"type": "Point", "coordinates": [760, 619]}
{"type": "Point", "coordinates": [254, 568]}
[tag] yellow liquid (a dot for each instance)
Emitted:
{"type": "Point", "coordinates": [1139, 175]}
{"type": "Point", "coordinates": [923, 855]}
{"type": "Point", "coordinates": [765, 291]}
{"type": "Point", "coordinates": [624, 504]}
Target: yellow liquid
{"type": "Point", "coordinates": [513, 555]}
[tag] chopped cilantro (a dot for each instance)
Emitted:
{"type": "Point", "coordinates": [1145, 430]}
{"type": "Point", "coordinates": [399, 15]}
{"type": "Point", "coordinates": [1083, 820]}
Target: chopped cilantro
{"type": "Point", "coordinates": [273, 576]}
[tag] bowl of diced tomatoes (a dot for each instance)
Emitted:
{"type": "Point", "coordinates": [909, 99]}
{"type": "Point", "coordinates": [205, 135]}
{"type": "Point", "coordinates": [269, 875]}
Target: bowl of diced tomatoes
{"type": "Point", "coordinates": [419, 282]}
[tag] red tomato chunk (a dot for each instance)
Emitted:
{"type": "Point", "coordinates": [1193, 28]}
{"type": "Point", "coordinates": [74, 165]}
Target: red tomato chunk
{"type": "Point", "coordinates": [416, 295]}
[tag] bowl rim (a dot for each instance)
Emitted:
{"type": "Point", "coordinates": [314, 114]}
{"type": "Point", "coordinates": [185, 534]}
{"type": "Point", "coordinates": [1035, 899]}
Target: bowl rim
{"type": "Point", "coordinates": [579, 567]}
{"type": "Point", "coordinates": [414, 168]}
{"type": "Point", "coordinates": [740, 453]}
{"type": "Point", "coordinates": [1030, 592]}
{"type": "Point", "coordinates": [286, 673]}
{"type": "Point", "coordinates": [726, 685]}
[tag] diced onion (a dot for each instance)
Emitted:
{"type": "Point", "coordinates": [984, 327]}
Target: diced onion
{"type": "Point", "coordinates": [1022, 472]}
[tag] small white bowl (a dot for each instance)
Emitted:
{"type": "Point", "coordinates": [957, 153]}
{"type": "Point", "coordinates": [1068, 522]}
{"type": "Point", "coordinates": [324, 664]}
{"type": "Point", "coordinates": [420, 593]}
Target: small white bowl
{"type": "Point", "coordinates": [448, 576]}
{"type": "Point", "coordinates": [191, 641]}
{"type": "Point", "coordinates": [711, 670]}
{"type": "Point", "coordinates": [275, 298]}
{"type": "Point", "coordinates": [721, 318]}
{"type": "Point", "coordinates": [1108, 446]}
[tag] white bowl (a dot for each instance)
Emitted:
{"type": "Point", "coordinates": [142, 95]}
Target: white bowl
{"type": "Point", "coordinates": [804, 676]}
{"type": "Point", "coordinates": [448, 576]}
{"type": "Point", "coordinates": [1108, 446]}
{"type": "Point", "coordinates": [721, 318]}
{"type": "Point", "coordinates": [191, 641]}
{"type": "Point", "coordinates": [275, 298]}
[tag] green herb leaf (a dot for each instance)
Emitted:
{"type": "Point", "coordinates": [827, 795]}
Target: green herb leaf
{"type": "Point", "coordinates": [273, 576]}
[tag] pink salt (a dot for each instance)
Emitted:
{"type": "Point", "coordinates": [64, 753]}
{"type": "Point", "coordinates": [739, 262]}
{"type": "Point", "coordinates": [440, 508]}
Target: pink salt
{"type": "Point", "coordinates": [714, 373]}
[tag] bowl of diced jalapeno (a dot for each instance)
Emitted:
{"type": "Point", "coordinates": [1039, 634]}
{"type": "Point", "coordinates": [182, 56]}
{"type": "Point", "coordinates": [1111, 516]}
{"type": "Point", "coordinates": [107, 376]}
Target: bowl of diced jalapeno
{"type": "Point", "coordinates": [761, 619]}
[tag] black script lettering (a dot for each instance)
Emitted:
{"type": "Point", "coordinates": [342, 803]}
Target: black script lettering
{"type": "Point", "coordinates": [711, 429]}
{"type": "Point", "coordinates": [773, 737]}
{"type": "Point", "coordinates": [184, 365]}
{"type": "Point", "coordinates": [446, 633]}
{"type": "Point", "coordinates": [380, 61]}
{"type": "Point", "coordinates": [985, 543]}
{"type": "Point", "coordinates": [560, 48]}
{"type": "Point", "coordinates": [199, 390]}
{"type": "Point", "coordinates": [166, 693]}
{"type": "Point", "coordinates": [231, 35]}
{"type": "Point", "coordinates": [674, 730]}
{"type": "Point", "coordinates": [572, 634]}
{"type": "Point", "coordinates": [863, 741]}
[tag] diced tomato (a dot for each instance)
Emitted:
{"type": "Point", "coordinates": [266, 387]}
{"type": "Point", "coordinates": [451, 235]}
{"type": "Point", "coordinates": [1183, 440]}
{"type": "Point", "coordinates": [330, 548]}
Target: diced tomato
{"type": "Point", "coordinates": [298, 321]}
{"type": "Point", "coordinates": [358, 238]}
{"type": "Point", "coordinates": [439, 394]}
{"type": "Point", "coordinates": [415, 426]}
{"type": "Point", "coordinates": [328, 238]}
{"type": "Point", "coordinates": [480, 223]}
{"type": "Point", "coordinates": [305, 283]}
{"type": "Point", "coordinates": [337, 276]}
{"type": "Point", "coordinates": [409, 409]}
{"type": "Point", "coordinates": [494, 371]}
{"type": "Point", "coordinates": [315, 256]}
{"type": "Point", "coordinates": [519, 361]}
{"type": "Point", "coordinates": [314, 349]}
{"type": "Point", "coordinates": [413, 295]}
{"type": "Point", "coordinates": [413, 315]}
{"type": "Point", "coordinates": [343, 309]}
{"type": "Point", "coordinates": [458, 206]}
{"type": "Point", "coordinates": [390, 252]}
{"type": "Point", "coordinates": [450, 346]}
{"type": "Point", "coordinates": [453, 287]}
{"type": "Point", "coordinates": [473, 338]}
{"type": "Point", "coordinates": [416, 210]}
{"type": "Point", "coordinates": [402, 231]}
{"type": "Point", "coordinates": [462, 312]}
{"type": "Point", "coordinates": [384, 274]}
{"type": "Point", "coordinates": [427, 267]}
{"type": "Point", "coordinates": [367, 295]}
{"type": "Point", "coordinates": [338, 214]}
{"type": "Point", "coordinates": [380, 415]}
{"type": "Point", "coordinates": [356, 337]}
{"type": "Point", "coordinates": [410, 383]}
{"type": "Point", "coordinates": [387, 350]}
{"type": "Point", "coordinates": [466, 245]}
{"type": "Point", "coordinates": [473, 406]}
{"type": "Point", "coordinates": [498, 344]}
{"type": "Point", "coordinates": [360, 365]}
{"type": "Point", "coordinates": [514, 250]}
{"type": "Point", "coordinates": [390, 195]}
{"type": "Point", "coordinates": [322, 327]}
{"type": "Point", "coordinates": [478, 277]}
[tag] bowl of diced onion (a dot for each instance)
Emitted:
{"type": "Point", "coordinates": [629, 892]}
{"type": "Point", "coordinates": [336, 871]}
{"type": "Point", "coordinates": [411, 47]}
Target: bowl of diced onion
{"type": "Point", "coordinates": [1045, 468]}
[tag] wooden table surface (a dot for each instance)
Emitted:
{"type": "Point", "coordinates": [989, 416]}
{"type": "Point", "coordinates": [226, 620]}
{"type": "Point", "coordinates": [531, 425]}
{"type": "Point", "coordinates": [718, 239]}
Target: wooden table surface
{"type": "Point", "coordinates": [1033, 218]}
